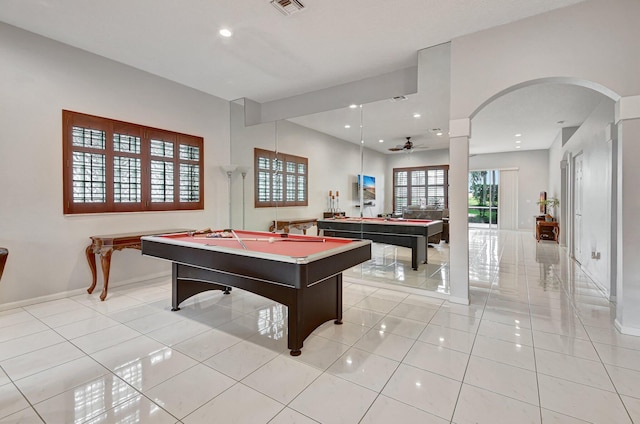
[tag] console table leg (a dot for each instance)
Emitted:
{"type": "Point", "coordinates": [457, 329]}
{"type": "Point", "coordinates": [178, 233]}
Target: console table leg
{"type": "Point", "coordinates": [91, 259]}
{"type": "Point", "coordinates": [105, 260]}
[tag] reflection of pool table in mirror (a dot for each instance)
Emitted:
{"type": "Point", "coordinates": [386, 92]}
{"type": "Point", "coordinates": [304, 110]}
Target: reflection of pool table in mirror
{"type": "Point", "coordinates": [412, 233]}
{"type": "Point", "coordinates": [303, 273]}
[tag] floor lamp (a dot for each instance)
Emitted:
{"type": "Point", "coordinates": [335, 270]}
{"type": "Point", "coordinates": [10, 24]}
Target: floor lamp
{"type": "Point", "coordinates": [229, 170]}
{"type": "Point", "coordinates": [243, 170]}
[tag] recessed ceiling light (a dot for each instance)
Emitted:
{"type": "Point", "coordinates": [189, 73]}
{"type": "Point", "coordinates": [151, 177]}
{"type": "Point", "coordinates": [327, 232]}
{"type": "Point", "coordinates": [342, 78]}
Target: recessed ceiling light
{"type": "Point", "coordinates": [361, 141]}
{"type": "Point", "coordinates": [225, 32]}
{"type": "Point", "coordinates": [416, 115]}
{"type": "Point", "coordinates": [353, 106]}
{"type": "Point", "coordinates": [518, 135]}
{"type": "Point", "coordinates": [439, 133]}
{"type": "Point", "coordinates": [518, 141]}
{"type": "Point", "coordinates": [347, 126]}
{"type": "Point", "coordinates": [381, 141]}
{"type": "Point", "coordinates": [517, 147]}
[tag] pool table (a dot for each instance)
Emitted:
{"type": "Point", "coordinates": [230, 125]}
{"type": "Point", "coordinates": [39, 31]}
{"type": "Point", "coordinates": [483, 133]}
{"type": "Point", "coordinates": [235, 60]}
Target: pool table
{"type": "Point", "coordinates": [301, 272]}
{"type": "Point", "coordinates": [412, 233]}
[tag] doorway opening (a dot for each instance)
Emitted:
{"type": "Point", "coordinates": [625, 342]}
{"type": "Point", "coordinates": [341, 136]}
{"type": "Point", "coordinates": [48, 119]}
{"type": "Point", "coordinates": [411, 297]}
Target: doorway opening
{"type": "Point", "coordinates": [482, 207]}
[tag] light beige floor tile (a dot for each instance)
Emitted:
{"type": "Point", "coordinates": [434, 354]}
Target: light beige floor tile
{"type": "Point", "coordinates": [479, 406]}
{"type": "Point", "coordinates": [633, 407]}
{"type": "Point", "coordinates": [386, 410]}
{"type": "Point", "coordinates": [507, 380]}
{"type": "Point", "coordinates": [619, 356]}
{"type": "Point", "coordinates": [25, 416]}
{"type": "Point", "coordinates": [507, 332]}
{"type": "Point", "coordinates": [455, 321]}
{"type": "Point", "coordinates": [40, 360]}
{"type": "Point", "coordinates": [105, 338]}
{"type": "Point", "coordinates": [241, 359]}
{"type": "Point", "coordinates": [580, 401]}
{"type": "Point", "coordinates": [87, 401]}
{"type": "Point", "coordinates": [425, 390]}
{"type": "Point", "coordinates": [225, 409]}
{"type": "Point", "coordinates": [552, 417]}
{"type": "Point", "coordinates": [20, 346]}
{"type": "Point", "coordinates": [320, 352]}
{"type": "Point", "coordinates": [437, 359]}
{"type": "Point", "coordinates": [626, 381]}
{"type": "Point", "coordinates": [578, 370]}
{"type": "Point", "coordinates": [289, 416]}
{"type": "Point", "coordinates": [362, 317]}
{"type": "Point", "coordinates": [439, 335]}
{"type": "Point", "coordinates": [11, 400]}
{"type": "Point", "coordinates": [349, 402]}
{"type": "Point", "coordinates": [385, 344]}
{"type": "Point", "coordinates": [282, 378]}
{"type": "Point", "coordinates": [347, 333]}
{"type": "Point", "coordinates": [364, 368]}
{"type": "Point", "coordinates": [506, 352]}
{"type": "Point", "coordinates": [205, 345]}
{"type": "Point", "coordinates": [187, 391]}
{"type": "Point", "coordinates": [562, 344]}
{"type": "Point", "coordinates": [58, 379]}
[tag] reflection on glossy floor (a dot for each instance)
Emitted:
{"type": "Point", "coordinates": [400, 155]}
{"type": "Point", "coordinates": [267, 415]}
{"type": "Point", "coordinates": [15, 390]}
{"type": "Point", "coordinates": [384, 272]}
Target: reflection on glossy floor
{"type": "Point", "coordinates": [392, 265]}
{"type": "Point", "coordinates": [536, 344]}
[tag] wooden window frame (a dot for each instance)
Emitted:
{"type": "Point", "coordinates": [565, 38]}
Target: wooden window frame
{"type": "Point", "coordinates": [283, 158]}
{"type": "Point", "coordinates": [110, 127]}
{"type": "Point", "coordinates": [445, 168]}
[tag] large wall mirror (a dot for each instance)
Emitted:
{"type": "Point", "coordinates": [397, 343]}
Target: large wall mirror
{"type": "Point", "coordinates": [352, 153]}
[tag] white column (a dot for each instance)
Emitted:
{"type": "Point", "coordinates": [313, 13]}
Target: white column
{"type": "Point", "coordinates": [628, 228]}
{"type": "Point", "coordinates": [459, 132]}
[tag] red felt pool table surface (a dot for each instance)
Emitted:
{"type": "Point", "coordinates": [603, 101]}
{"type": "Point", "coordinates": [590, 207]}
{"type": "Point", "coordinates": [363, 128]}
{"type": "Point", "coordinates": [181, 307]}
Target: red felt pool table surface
{"type": "Point", "coordinates": [390, 221]}
{"type": "Point", "coordinates": [292, 245]}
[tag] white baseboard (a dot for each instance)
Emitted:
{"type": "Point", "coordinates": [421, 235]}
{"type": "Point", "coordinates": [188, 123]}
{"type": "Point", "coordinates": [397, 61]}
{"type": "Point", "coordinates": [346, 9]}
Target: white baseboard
{"type": "Point", "coordinates": [75, 292]}
{"type": "Point", "coordinates": [631, 331]}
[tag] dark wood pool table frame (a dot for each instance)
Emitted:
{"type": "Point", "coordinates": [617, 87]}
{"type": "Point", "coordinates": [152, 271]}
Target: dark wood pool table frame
{"type": "Point", "coordinates": [312, 290]}
{"type": "Point", "coordinates": [414, 234]}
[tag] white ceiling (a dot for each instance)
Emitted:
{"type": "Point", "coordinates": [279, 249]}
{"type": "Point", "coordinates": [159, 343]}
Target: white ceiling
{"type": "Point", "coordinates": [330, 42]}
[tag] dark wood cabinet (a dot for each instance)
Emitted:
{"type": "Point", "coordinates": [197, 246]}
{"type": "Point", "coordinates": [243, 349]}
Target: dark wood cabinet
{"type": "Point", "coordinates": [546, 230]}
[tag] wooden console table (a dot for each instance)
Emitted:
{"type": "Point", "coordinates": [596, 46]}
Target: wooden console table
{"type": "Point", "coordinates": [547, 230]}
{"type": "Point", "coordinates": [104, 245]}
{"type": "Point", "coordinates": [298, 223]}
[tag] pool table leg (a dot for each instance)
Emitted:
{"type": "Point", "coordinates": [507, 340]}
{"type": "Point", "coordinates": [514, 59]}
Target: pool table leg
{"type": "Point", "coordinates": [312, 306]}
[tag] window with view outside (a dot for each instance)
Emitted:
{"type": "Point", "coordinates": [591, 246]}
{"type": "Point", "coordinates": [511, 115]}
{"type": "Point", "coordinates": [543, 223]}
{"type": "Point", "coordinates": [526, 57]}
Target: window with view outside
{"type": "Point", "coordinates": [416, 186]}
{"type": "Point", "coordinates": [115, 166]}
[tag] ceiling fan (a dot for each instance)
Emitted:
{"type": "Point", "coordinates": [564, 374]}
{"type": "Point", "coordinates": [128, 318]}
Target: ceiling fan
{"type": "Point", "coordinates": [408, 146]}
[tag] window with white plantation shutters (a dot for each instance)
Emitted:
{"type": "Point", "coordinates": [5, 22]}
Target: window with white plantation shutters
{"type": "Point", "coordinates": [114, 166]}
{"type": "Point", "coordinates": [413, 186]}
{"type": "Point", "coordinates": [280, 179]}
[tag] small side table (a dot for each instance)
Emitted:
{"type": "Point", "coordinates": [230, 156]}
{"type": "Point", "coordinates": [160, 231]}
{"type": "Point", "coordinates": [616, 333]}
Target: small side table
{"type": "Point", "coordinates": [547, 230]}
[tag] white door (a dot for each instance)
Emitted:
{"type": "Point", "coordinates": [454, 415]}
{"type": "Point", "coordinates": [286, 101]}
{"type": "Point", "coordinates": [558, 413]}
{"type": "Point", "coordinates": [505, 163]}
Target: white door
{"type": "Point", "coordinates": [577, 206]}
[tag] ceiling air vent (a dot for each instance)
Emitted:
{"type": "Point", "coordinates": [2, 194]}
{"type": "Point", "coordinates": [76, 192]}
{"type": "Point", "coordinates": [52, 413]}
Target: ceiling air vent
{"type": "Point", "coordinates": [287, 7]}
{"type": "Point", "coordinates": [398, 98]}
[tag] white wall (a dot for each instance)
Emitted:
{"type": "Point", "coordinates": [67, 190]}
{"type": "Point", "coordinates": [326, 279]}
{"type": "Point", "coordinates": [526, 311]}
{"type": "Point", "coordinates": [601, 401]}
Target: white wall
{"type": "Point", "coordinates": [594, 42]}
{"type": "Point", "coordinates": [333, 165]}
{"type": "Point", "coordinates": [592, 140]}
{"type": "Point", "coordinates": [39, 78]}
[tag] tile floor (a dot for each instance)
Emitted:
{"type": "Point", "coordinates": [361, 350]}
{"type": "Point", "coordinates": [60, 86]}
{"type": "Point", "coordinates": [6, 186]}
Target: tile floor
{"type": "Point", "coordinates": [536, 345]}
